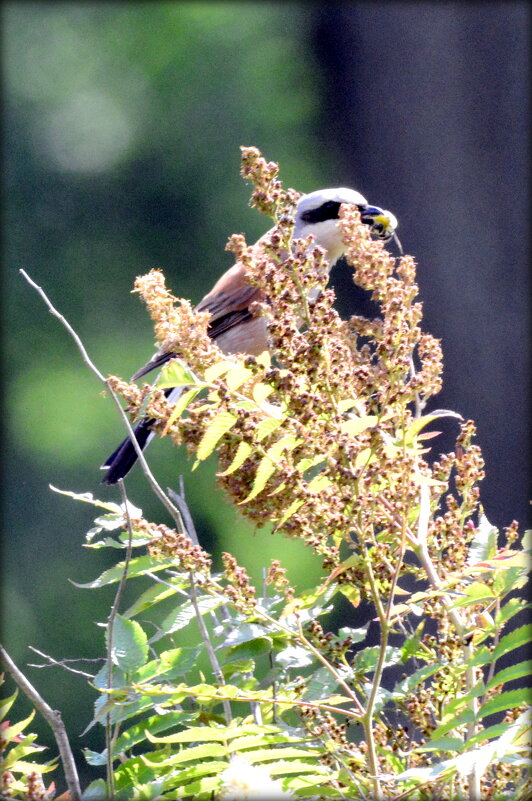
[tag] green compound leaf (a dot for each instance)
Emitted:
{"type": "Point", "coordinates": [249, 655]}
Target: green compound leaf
{"type": "Point", "coordinates": [222, 423]}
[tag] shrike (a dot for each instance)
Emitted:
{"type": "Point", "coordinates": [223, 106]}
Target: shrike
{"type": "Point", "coordinates": [232, 325]}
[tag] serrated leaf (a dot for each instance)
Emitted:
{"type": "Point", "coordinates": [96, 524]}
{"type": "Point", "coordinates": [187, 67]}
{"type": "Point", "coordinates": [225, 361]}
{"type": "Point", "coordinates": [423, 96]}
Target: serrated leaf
{"type": "Point", "coordinates": [169, 665]}
{"type": "Point", "coordinates": [244, 633]}
{"type": "Point", "coordinates": [204, 734]}
{"type": "Point", "coordinates": [320, 685]}
{"type": "Point", "coordinates": [294, 656]}
{"type": "Point", "coordinates": [346, 404]}
{"type": "Point", "coordinates": [129, 647]}
{"type": "Point", "coordinates": [318, 483]}
{"type": "Point", "coordinates": [515, 639]}
{"type": "Point", "coordinates": [484, 543]}
{"type": "Point", "coordinates": [366, 659]}
{"type": "Point", "coordinates": [16, 728]}
{"type": "Point", "coordinates": [155, 724]}
{"type": "Point", "coordinates": [442, 744]}
{"type": "Point", "coordinates": [184, 614]}
{"type": "Point", "coordinates": [216, 370]}
{"type": "Point", "coordinates": [220, 425]}
{"type": "Point", "coordinates": [96, 791]}
{"type": "Point", "coordinates": [136, 567]}
{"type": "Point", "coordinates": [261, 391]}
{"type": "Point", "coordinates": [248, 651]}
{"type": "Point", "coordinates": [88, 497]}
{"type": "Point", "coordinates": [237, 376]}
{"type": "Point", "coordinates": [350, 592]}
{"type": "Point", "coordinates": [510, 673]}
{"type": "Point", "coordinates": [502, 703]}
{"type": "Point", "coordinates": [242, 453]}
{"type": "Point", "coordinates": [292, 509]}
{"type": "Point", "coordinates": [185, 775]}
{"type": "Point", "coordinates": [266, 427]}
{"type": "Point", "coordinates": [153, 595]}
{"type": "Point", "coordinates": [363, 458]}
{"type": "Point", "coordinates": [176, 374]}
{"type": "Point", "coordinates": [309, 461]}
{"type": "Point", "coordinates": [356, 425]}
{"type": "Point", "coordinates": [475, 593]}
{"type": "Point", "coordinates": [268, 464]}
{"type": "Point", "coordinates": [510, 608]}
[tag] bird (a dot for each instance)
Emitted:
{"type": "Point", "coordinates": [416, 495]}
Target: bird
{"type": "Point", "coordinates": [232, 325]}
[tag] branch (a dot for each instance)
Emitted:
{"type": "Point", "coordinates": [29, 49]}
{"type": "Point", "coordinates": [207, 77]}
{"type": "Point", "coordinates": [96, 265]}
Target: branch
{"type": "Point", "coordinates": [174, 513]}
{"type": "Point", "coordinates": [53, 718]}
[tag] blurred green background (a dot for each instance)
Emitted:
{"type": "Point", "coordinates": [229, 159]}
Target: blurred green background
{"type": "Point", "coordinates": [122, 127]}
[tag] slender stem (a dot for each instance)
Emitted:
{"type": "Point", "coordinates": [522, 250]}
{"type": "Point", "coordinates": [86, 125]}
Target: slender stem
{"type": "Point", "coordinates": [186, 517]}
{"type": "Point", "coordinates": [53, 718]}
{"type": "Point", "coordinates": [174, 513]}
{"type": "Point", "coordinates": [367, 720]}
{"type": "Point", "coordinates": [346, 713]}
{"type": "Point", "coordinates": [317, 654]}
{"type": "Point", "coordinates": [208, 645]}
{"type": "Point", "coordinates": [60, 663]}
{"type": "Point", "coordinates": [421, 550]}
{"type": "Point", "coordinates": [110, 626]}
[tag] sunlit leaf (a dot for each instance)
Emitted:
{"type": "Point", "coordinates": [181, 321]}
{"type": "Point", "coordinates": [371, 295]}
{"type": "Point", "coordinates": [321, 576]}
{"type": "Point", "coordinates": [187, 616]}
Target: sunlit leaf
{"type": "Point", "coordinates": [176, 374]}
{"type": "Point", "coordinates": [237, 376]}
{"type": "Point", "coordinates": [292, 509]}
{"type": "Point", "coordinates": [136, 567]}
{"type": "Point", "coordinates": [484, 543]}
{"type": "Point", "coordinates": [222, 423]}
{"type": "Point", "coordinates": [515, 639]}
{"type": "Point", "coordinates": [129, 646]}
{"type": "Point", "coordinates": [242, 453]}
{"type": "Point", "coordinates": [267, 427]}
{"type": "Point", "coordinates": [181, 616]}
{"type": "Point", "coordinates": [356, 425]}
{"type": "Point", "coordinates": [502, 703]}
{"type": "Point", "coordinates": [180, 405]}
{"type": "Point", "coordinates": [261, 391]}
{"type": "Point", "coordinates": [268, 464]}
{"type": "Point", "coordinates": [510, 673]}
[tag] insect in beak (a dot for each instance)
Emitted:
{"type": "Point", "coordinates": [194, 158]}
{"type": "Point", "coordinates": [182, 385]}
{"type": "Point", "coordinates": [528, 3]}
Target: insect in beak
{"type": "Point", "coordinates": [382, 224]}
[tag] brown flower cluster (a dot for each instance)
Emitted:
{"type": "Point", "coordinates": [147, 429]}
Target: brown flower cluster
{"type": "Point", "coordinates": [321, 440]}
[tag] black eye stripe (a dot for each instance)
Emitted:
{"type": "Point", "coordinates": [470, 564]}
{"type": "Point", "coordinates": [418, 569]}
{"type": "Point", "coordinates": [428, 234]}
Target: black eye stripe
{"type": "Point", "coordinates": [327, 211]}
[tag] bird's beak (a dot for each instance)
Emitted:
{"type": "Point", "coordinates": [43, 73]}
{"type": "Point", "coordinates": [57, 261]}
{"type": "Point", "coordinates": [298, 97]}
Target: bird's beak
{"type": "Point", "coordinates": [382, 223]}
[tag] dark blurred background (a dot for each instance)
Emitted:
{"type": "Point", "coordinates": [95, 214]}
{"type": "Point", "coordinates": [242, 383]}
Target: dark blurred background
{"type": "Point", "coordinates": [122, 127]}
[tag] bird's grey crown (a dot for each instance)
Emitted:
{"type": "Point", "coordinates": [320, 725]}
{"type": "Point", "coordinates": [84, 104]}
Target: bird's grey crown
{"type": "Point", "coordinates": [337, 195]}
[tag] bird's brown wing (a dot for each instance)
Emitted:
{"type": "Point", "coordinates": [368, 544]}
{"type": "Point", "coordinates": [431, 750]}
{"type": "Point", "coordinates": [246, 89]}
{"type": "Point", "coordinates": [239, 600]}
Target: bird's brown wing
{"type": "Point", "coordinates": [228, 303]}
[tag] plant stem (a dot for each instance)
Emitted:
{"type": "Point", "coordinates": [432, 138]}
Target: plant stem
{"type": "Point", "coordinates": [208, 646]}
{"type": "Point", "coordinates": [110, 625]}
{"type": "Point", "coordinates": [174, 513]}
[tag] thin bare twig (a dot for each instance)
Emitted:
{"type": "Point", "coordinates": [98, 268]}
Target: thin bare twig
{"type": "Point", "coordinates": [217, 670]}
{"type": "Point", "coordinates": [53, 718]}
{"type": "Point", "coordinates": [179, 499]}
{"type": "Point", "coordinates": [174, 513]}
{"type": "Point", "coordinates": [61, 663]}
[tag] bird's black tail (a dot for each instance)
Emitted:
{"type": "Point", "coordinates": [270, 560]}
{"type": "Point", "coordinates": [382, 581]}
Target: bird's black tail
{"type": "Point", "coordinates": [124, 457]}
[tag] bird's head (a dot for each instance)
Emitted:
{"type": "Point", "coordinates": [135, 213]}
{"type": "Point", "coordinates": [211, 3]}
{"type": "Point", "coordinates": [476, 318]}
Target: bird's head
{"type": "Point", "coordinates": [317, 214]}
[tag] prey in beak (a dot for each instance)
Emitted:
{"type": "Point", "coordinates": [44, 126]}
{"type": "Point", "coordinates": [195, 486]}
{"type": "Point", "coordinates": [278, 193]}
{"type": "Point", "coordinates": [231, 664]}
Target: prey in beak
{"type": "Point", "coordinates": [382, 224]}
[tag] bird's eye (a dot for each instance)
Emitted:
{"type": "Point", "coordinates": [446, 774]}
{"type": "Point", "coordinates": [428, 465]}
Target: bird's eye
{"type": "Point", "coordinates": [329, 204]}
